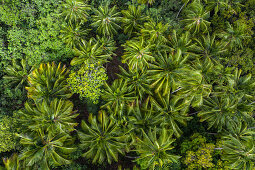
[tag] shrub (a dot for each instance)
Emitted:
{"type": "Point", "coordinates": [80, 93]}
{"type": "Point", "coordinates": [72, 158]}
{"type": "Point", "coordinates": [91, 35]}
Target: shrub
{"type": "Point", "coordinates": [7, 137]}
{"type": "Point", "coordinates": [87, 81]}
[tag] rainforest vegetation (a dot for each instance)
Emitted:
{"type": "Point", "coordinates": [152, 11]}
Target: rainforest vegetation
{"type": "Point", "coordinates": [127, 85]}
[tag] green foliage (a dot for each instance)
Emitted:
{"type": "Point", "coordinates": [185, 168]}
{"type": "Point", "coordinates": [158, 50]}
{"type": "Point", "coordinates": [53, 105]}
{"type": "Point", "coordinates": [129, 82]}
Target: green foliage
{"type": "Point", "coordinates": [155, 32]}
{"type": "Point", "coordinates": [201, 158]}
{"type": "Point", "coordinates": [137, 81]}
{"type": "Point", "coordinates": [103, 139]}
{"type": "Point", "coordinates": [37, 44]}
{"type": "Point", "coordinates": [234, 35]}
{"type": "Point", "coordinates": [166, 72]}
{"type": "Point", "coordinates": [133, 19]}
{"type": "Point", "coordinates": [166, 77]}
{"type": "Point", "coordinates": [117, 96]}
{"type": "Point", "coordinates": [196, 18]}
{"type": "Point", "coordinates": [12, 163]}
{"type": "Point", "coordinates": [221, 111]}
{"type": "Point", "coordinates": [72, 35]}
{"type": "Point", "coordinates": [56, 116]}
{"type": "Point", "coordinates": [48, 82]}
{"type": "Point", "coordinates": [106, 20]}
{"type": "Point", "coordinates": [199, 154]}
{"type": "Point", "coordinates": [7, 133]}
{"type": "Point", "coordinates": [17, 73]}
{"type": "Point", "coordinates": [154, 148]}
{"type": "Point", "coordinates": [43, 150]}
{"type": "Point", "coordinates": [75, 11]}
{"type": "Point", "coordinates": [90, 51]}
{"type": "Point", "coordinates": [173, 110]}
{"type": "Point", "coordinates": [240, 153]}
{"type": "Point", "coordinates": [137, 54]}
{"type": "Point", "coordinates": [88, 80]}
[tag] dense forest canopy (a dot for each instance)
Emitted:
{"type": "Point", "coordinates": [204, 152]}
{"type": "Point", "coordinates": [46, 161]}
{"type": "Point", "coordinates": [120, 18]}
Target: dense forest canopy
{"type": "Point", "coordinates": [118, 84]}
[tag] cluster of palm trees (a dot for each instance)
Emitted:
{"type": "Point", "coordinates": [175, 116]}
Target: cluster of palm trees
{"type": "Point", "coordinates": [168, 72]}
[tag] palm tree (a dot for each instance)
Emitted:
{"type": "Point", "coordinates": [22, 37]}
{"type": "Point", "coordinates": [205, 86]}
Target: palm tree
{"type": "Point", "coordinates": [12, 163]}
{"type": "Point", "coordinates": [107, 44]}
{"type": "Point", "coordinates": [105, 20]}
{"type": "Point", "coordinates": [173, 109]}
{"type": "Point", "coordinates": [222, 110]}
{"type": "Point", "coordinates": [155, 32]}
{"type": "Point", "coordinates": [133, 19]}
{"type": "Point", "coordinates": [148, 2]}
{"type": "Point", "coordinates": [137, 54]}
{"type": "Point", "coordinates": [166, 72]}
{"type": "Point", "coordinates": [196, 18]}
{"type": "Point", "coordinates": [137, 81]}
{"type": "Point", "coordinates": [55, 116]}
{"type": "Point", "coordinates": [208, 70]}
{"type": "Point", "coordinates": [208, 46]}
{"type": "Point", "coordinates": [48, 82]}
{"type": "Point", "coordinates": [240, 85]}
{"type": "Point", "coordinates": [194, 88]}
{"type": "Point", "coordinates": [240, 131]}
{"type": "Point", "coordinates": [18, 73]}
{"type": "Point", "coordinates": [217, 5]}
{"type": "Point", "coordinates": [181, 42]}
{"type": "Point", "coordinates": [142, 116]}
{"type": "Point", "coordinates": [154, 148]}
{"type": "Point", "coordinates": [240, 154]}
{"type": "Point", "coordinates": [235, 35]}
{"type": "Point", "coordinates": [43, 150]}
{"type": "Point", "coordinates": [75, 11]}
{"type": "Point", "coordinates": [103, 139]}
{"type": "Point", "coordinates": [91, 51]}
{"type": "Point", "coordinates": [72, 35]}
{"type": "Point", "coordinates": [117, 96]}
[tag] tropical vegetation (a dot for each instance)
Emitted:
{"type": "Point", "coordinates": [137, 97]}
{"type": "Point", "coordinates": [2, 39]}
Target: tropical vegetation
{"type": "Point", "coordinates": [119, 84]}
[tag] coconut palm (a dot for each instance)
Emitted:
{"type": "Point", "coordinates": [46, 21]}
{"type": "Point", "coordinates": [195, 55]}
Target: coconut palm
{"type": "Point", "coordinates": [44, 150]}
{"type": "Point", "coordinates": [58, 115]}
{"type": "Point", "coordinates": [137, 81]}
{"type": "Point", "coordinates": [91, 51]}
{"type": "Point", "coordinates": [48, 82]}
{"type": "Point", "coordinates": [106, 20]}
{"type": "Point", "coordinates": [72, 35]}
{"type": "Point", "coordinates": [137, 54]}
{"type": "Point", "coordinates": [240, 154]}
{"type": "Point", "coordinates": [133, 19]}
{"type": "Point", "coordinates": [153, 148]}
{"type": "Point", "coordinates": [173, 109]}
{"type": "Point", "coordinates": [196, 18]}
{"type": "Point", "coordinates": [75, 11]}
{"type": "Point", "coordinates": [155, 32]}
{"type": "Point", "coordinates": [18, 73]}
{"type": "Point", "coordinates": [166, 72]}
{"type": "Point", "coordinates": [102, 139]}
{"type": "Point", "coordinates": [117, 96]}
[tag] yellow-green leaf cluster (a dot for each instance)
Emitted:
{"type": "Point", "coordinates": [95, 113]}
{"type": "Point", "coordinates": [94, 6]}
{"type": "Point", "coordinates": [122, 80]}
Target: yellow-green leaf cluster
{"type": "Point", "coordinates": [87, 81]}
{"type": "Point", "coordinates": [7, 136]}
